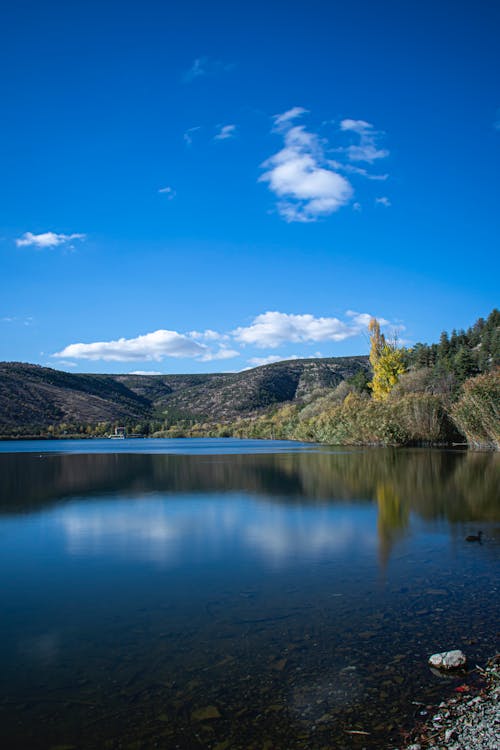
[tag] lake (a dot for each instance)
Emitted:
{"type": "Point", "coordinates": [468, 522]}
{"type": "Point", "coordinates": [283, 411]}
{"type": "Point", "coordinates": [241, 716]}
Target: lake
{"type": "Point", "coordinates": [237, 594]}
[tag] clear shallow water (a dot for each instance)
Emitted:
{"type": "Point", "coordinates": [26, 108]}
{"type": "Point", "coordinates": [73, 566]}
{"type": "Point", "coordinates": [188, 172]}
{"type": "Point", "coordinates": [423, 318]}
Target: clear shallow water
{"type": "Point", "coordinates": [237, 594]}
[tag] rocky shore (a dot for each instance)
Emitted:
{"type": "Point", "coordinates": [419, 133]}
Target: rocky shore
{"type": "Point", "coordinates": [468, 721]}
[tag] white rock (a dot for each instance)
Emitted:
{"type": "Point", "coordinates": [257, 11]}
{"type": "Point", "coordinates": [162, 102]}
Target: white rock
{"type": "Point", "coordinates": [448, 659]}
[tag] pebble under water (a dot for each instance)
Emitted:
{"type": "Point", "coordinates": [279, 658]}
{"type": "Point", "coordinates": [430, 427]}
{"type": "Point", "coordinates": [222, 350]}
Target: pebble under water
{"type": "Point", "coordinates": [209, 598]}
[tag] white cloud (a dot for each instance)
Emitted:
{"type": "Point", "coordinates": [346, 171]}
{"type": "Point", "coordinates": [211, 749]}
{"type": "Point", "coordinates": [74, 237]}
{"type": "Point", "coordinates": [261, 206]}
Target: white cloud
{"type": "Point", "coordinates": [266, 331]}
{"type": "Point", "coordinates": [208, 335]}
{"type": "Point", "coordinates": [258, 361]}
{"type": "Point", "coordinates": [272, 329]}
{"type": "Point", "coordinates": [188, 135]}
{"type": "Point", "coordinates": [153, 346]}
{"type": "Point", "coordinates": [47, 239]}
{"type": "Point", "coordinates": [351, 169]}
{"type": "Point", "coordinates": [197, 70]}
{"type": "Point", "coordinates": [222, 353]}
{"type": "Point", "coordinates": [357, 126]}
{"type": "Point", "coordinates": [281, 121]}
{"type": "Point", "coordinates": [224, 132]}
{"type": "Point", "coordinates": [366, 150]}
{"type": "Point", "coordinates": [146, 372]}
{"type": "Point", "coordinates": [306, 184]}
{"type": "Point", "coordinates": [363, 319]}
{"type": "Point", "coordinates": [168, 191]}
{"type": "Point", "coordinates": [383, 201]}
{"type": "Point", "coordinates": [202, 67]}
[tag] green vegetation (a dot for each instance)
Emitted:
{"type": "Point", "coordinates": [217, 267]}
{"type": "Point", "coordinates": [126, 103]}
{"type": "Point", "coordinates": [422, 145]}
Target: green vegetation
{"type": "Point", "coordinates": [460, 355]}
{"type": "Point", "coordinates": [435, 394]}
{"type": "Point", "coordinates": [426, 395]}
{"type": "Point", "coordinates": [477, 411]}
{"type": "Point", "coordinates": [38, 401]}
{"type": "Point", "coordinates": [415, 419]}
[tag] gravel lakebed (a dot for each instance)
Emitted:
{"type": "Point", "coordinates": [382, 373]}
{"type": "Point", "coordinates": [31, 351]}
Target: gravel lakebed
{"type": "Point", "coordinates": [468, 721]}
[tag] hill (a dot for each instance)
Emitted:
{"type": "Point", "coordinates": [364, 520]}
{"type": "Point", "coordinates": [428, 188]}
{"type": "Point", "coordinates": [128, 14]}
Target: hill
{"type": "Point", "coordinates": [32, 398]}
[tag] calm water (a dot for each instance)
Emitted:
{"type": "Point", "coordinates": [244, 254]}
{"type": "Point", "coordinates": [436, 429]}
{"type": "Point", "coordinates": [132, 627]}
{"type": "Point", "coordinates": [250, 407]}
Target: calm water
{"type": "Point", "coordinates": [236, 594]}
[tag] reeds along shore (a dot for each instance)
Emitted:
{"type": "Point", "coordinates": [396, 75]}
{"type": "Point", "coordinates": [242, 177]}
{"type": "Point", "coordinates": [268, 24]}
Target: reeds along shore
{"type": "Point", "coordinates": [346, 417]}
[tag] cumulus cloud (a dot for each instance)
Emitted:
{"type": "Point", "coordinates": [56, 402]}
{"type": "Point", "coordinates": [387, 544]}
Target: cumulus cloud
{"type": "Point", "coordinates": [272, 329]}
{"type": "Point", "coordinates": [153, 346]}
{"type": "Point", "coordinates": [306, 184]}
{"type": "Point", "coordinates": [208, 335]}
{"type": "Point", "coordinates": [47, 239]}
{"type": "Point", "coordinates": [168, 191]}
{"type": "Point", "coordinates": [224, 132]}
{"type": "Point", "coordinates": [366, 149]}
{"type": "Point", "coordinates": [383, 201]}
{"type": "Point", "coordinates": [266, 331]}
{"type": "Point", "coordinates": [202, 67]}
{"type": "Point", "coordinates": [146, 372]}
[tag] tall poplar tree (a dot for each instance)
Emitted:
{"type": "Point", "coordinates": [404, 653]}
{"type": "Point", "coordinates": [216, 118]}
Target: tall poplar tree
{"type": "Point", "coordinates": [386, 360]}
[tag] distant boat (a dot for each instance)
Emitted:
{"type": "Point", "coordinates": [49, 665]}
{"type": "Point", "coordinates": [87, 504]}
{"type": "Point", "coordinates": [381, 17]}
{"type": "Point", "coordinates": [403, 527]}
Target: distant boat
{"type": "Point", "coordinates": [120, 433]}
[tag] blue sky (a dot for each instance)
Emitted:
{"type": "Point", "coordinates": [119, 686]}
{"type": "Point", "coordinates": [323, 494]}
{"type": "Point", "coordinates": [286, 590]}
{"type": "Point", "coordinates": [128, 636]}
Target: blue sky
{"type": "Point", "coordinates": [207, 186]}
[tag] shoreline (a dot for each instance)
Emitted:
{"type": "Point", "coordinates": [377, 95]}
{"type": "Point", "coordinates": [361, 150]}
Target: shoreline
{"type": "Point", "coordinates": [420, 444]}
{"type": "Point", "coordinates": [470, 720]}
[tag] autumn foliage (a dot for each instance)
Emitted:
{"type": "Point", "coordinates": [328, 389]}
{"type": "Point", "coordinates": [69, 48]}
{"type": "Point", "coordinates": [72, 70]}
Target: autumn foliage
{"type": "Point", "coordinates": [387, 362]}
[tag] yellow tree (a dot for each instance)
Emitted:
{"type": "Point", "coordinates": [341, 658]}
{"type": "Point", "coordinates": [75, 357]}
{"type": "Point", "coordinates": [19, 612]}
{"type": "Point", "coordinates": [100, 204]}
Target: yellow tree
{"type": "Point", "coordinates": [386, 360]}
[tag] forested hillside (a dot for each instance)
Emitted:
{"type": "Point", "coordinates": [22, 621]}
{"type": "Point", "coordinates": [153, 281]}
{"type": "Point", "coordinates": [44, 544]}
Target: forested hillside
{"type": "Point", "coordinates": [461, 354]}
{"type": "Point", "coordinates": [443, 393]}
{"type": "Point", "coordinates": [440, 394]}
{"type": "Point", "coordinates": [38, 400]}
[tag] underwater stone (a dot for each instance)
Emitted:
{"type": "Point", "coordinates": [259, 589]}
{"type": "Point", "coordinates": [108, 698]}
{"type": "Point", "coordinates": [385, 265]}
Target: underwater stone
{"type": "Point", "coordinates": [448, 660]}
{"type": "Point", "coordinates": [206, 714]}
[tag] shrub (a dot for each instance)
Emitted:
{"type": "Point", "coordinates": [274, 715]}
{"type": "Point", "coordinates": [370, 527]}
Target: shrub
{"type": "Point", "coordinates": [413, 419]}
{"type": "Point", "coordinates": [477, 411]}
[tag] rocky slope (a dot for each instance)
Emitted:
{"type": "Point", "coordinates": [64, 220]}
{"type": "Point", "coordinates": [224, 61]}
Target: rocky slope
{"type": "Point", "coordinates": [33, 396]}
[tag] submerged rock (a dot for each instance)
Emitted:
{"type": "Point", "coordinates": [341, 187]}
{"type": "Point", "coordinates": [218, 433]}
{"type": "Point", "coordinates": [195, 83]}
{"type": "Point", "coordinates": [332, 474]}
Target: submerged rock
{"type": "Point", "coordinates": [206, 714]}
{"type": "Point", "coordinates": [448, 660]}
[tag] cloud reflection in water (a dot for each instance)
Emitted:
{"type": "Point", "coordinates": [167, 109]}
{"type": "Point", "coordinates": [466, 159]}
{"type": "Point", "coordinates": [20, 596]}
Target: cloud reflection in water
{"type": "Point", "coordinates": [169, 530]}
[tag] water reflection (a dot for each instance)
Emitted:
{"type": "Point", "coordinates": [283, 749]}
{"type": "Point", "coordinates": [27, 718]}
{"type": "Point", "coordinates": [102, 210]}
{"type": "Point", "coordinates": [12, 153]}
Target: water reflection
{"type": "Point", "coordinates": [392, 519]}
{"type": "Point", "coordinates": [457, 486]}
{"type": "Point", "coordinates": [142, 593]}
{"type": "Point", "coordinates": [165, 530]}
